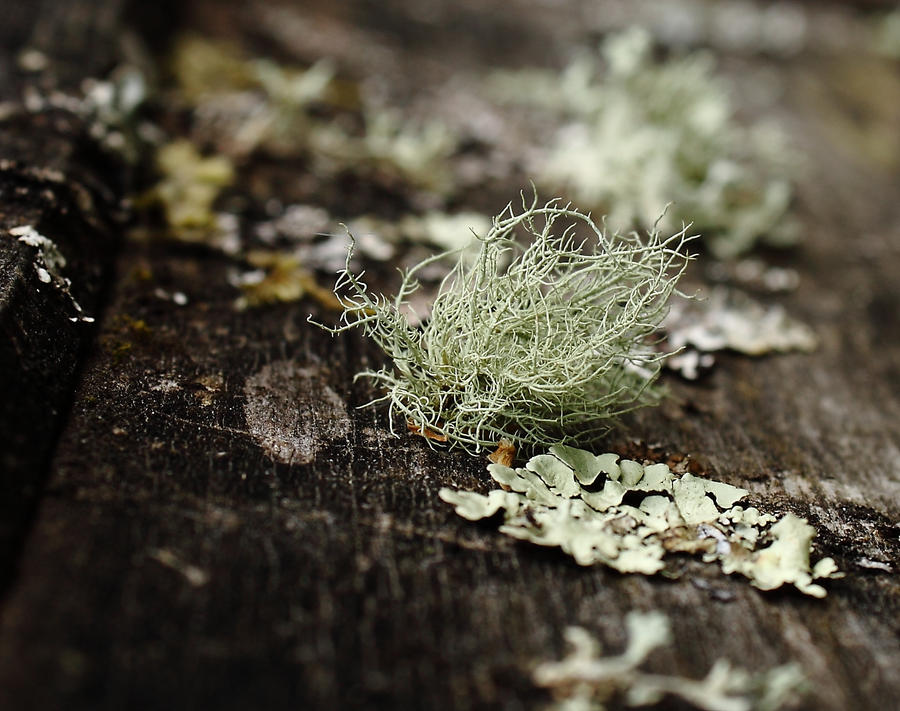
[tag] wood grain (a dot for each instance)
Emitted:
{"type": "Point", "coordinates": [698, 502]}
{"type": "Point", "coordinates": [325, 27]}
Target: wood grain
{"type": "Point", "coordinates": [222, 527]}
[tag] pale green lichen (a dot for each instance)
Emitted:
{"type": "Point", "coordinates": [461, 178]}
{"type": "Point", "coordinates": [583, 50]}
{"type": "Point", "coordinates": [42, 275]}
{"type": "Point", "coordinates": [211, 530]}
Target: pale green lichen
{"type": "Point", "coordinates": [537, 340]}
{"type": "Point", "coordinates": [640, 134]}
{"type": "Point", "coordinates": [417, 152]}
{"type": "Point", "coordinates": [557, 500]}
{"type": "Point", "coordinates": [584, 680]}
{"type": "Point", "coordinates": [785, 559]}
{"type": "Point", "coordinates": [243, 104]}
{"type": "Point", "coordinates": [189, 187]}
{"type": "Point", "coordinates": [729, 319]}
{"type": "Point", "coordinates": [886, 33]}
{"type": "Point", "coordinates": [457, 232]}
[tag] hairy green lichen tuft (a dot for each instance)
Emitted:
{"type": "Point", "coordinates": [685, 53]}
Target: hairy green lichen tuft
{"type": "Point", "coordinates": [544, 337]}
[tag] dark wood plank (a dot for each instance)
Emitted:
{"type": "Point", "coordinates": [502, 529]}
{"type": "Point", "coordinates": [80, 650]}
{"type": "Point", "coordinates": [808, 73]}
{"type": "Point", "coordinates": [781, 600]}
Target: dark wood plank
{"type": "Point", "coordinates": [56, 178]}
{"type": "Point", "coordinates": [41, 345]}
{"type": "Point", "coordinates": [223, 528]}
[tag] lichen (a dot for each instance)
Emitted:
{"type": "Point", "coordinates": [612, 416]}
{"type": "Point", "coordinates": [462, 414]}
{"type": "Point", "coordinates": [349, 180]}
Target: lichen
{"type": "Point", "coordinates": [389, 146]}
{"type": "Point", "coordinates": [640, 134]}
{"type": "Point", "coordinates": [247, 104]}
{"type": "Point", "coordinates": [886, 35]}
{"type": "Point", "coordinates": [573, 500]}
{"type": "Point", "coordinates": [188, 189]}
{"type": "Point", "coordinates": [536, 341]}
{"type": "Point", "coordinates": [279, 277]}
{"type": "Point", "coordinates": [584, 680]}
{"type": "Point", "coordinates": [729, 319]}
{"type": "Point", "coordinates": [417, 152]}
{"type": "Point", "coordinates": [447, 231]}
{"type": "Point", "coordinates": [48, 265]}
{"type": "Point", "coordinates": [784, 560]}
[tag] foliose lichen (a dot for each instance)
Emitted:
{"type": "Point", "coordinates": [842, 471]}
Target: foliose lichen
{"type": "Point", "coordinates": [244, 105]}
{"type": "Point", "coordinates": [189, 186]}
{"type": "Point", "coordinates": [575, 500]}
{"type": "Point", "coordinates": [638, 134]}
{"type": "Point", "coordinates": [584, 680]}
{"type": "Point", "coordinates": [729, 319]}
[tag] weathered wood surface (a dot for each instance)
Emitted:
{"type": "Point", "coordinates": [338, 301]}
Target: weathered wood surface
{"type": "Point", "coordinates": [222, 528]}
{"type": "Point", "coordinates": [55, 178]}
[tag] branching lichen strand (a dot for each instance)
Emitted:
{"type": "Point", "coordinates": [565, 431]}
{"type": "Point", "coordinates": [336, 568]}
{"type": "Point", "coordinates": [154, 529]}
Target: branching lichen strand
{"type": "Point", "coordinates": [537, 341]}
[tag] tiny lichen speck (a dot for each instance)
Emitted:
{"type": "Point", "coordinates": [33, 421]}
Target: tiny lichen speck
{"type": "Point", "coordinates": [537, 340]}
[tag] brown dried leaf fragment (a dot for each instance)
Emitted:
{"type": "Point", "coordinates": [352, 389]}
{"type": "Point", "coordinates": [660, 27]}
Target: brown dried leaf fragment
{"type": "Point", "coordinates": [427, 433]}
{"type": "Point", "coordinates": [505, 453]}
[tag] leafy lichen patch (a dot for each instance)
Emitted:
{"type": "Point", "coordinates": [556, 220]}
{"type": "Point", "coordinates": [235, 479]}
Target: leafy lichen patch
{"type": "Point", "coordinates": [638, 134]}
{"type": "Point", "coordinates": [785, 559]}
{"type": "Point", "coordinates": [190, 185]}
{"type": "Point", "coordinates": [279, 277]}
{"type": "Point", "coordinates": [584, 680]}
{"type": "Point", "coordinates": [730, 319]}
{"type": "Point", "coordinates": [245, 105]}
{"type": "Point", "coordinates": [547, 503]}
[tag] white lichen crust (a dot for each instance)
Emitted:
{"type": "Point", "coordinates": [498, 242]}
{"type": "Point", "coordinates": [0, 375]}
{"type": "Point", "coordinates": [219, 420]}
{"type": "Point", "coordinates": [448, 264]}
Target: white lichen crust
{"type": "Point", "coordinates": [48, 265]}
{"type": "Point", "coordinates": [537, 340]}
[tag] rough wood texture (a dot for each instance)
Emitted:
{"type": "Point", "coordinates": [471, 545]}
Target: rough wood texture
{"type": "Point", "coordinates": [53, 178]}
{"type": "Point", "coordinates": [223, 529]}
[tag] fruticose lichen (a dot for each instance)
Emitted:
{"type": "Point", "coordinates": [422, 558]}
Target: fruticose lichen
{"type": "Point", "coordinates": [573, 499]}
{"type": "Point", "coordinates": [536, 341]}
{"type": "Point", "coordinates": [585, 681]}
{"type": "Point", "coordinates": [639, 134]}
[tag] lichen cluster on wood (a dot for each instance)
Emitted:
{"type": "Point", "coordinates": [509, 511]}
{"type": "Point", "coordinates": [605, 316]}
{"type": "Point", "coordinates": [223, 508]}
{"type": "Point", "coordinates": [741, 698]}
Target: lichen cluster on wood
{"type": "Point", "coordinates": [536, 341]}
{"type": "Point", "coordinates": [557, 500]}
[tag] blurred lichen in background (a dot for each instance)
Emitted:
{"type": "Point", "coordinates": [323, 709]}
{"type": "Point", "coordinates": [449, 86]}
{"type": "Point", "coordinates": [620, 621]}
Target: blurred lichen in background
{"type": "Point", "coordinates": [584, 680]}
{"type": "Point", "coordinates": [243, 105]}
{"type": "Point", "coordinates": [639, 134]}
